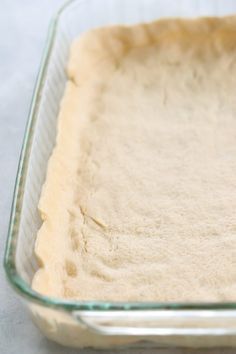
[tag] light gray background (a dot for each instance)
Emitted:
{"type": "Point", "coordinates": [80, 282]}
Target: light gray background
{"type": "Point", "coordinates": [23, 28]}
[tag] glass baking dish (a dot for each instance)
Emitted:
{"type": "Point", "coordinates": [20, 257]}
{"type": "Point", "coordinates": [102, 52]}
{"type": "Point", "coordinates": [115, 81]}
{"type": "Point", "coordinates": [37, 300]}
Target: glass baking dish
{"type": "Point", "coordinates": [98, 324]}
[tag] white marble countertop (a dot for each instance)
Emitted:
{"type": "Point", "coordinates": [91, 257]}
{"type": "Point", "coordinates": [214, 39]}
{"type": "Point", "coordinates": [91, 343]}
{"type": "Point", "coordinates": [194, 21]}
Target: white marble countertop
{"type": "Point", "coordinates": [23, 28]}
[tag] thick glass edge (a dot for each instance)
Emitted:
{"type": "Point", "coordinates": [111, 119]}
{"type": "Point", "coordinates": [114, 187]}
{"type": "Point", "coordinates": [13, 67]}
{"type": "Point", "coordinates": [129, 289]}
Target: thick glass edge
{"type": "Point", "coordinates": [16, 281]}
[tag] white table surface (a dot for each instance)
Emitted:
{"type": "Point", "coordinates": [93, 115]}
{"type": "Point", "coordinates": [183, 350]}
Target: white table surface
{"type": "Point", "coordinates": [23, 28]}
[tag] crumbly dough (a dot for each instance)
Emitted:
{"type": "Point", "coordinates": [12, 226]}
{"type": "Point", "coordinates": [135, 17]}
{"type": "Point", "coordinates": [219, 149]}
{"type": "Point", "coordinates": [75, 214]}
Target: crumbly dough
{"type": "Point", "coordinates": [139, 202]}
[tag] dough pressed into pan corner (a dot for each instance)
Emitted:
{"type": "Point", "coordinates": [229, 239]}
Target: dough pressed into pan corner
{"type": "Point", "coordinates": [140, 195]}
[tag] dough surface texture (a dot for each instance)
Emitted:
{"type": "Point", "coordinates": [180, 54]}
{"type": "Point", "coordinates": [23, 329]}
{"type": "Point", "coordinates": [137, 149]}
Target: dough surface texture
{"type": "Point", "coordinates": [139, 202]}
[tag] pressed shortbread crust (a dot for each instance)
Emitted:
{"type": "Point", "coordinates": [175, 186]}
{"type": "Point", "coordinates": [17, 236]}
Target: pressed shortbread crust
{"type": "Point", "coordinates": [140, 196]}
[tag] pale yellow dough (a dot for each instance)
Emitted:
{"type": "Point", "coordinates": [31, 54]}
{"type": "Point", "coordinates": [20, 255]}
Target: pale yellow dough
{"type": "Point", "coordinates": [139, 202]}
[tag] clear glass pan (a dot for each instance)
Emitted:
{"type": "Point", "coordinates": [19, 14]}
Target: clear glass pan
{"type": "Point", "coordinates": [98, 324]}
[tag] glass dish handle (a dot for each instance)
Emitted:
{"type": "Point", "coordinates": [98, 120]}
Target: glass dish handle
{"type": "Point", "coordinates": [158, 322]}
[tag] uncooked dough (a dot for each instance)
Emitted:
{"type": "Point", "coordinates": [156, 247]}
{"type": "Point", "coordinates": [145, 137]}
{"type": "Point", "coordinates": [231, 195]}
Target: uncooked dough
{"type": "Point", "coordinates": [139, 202]}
